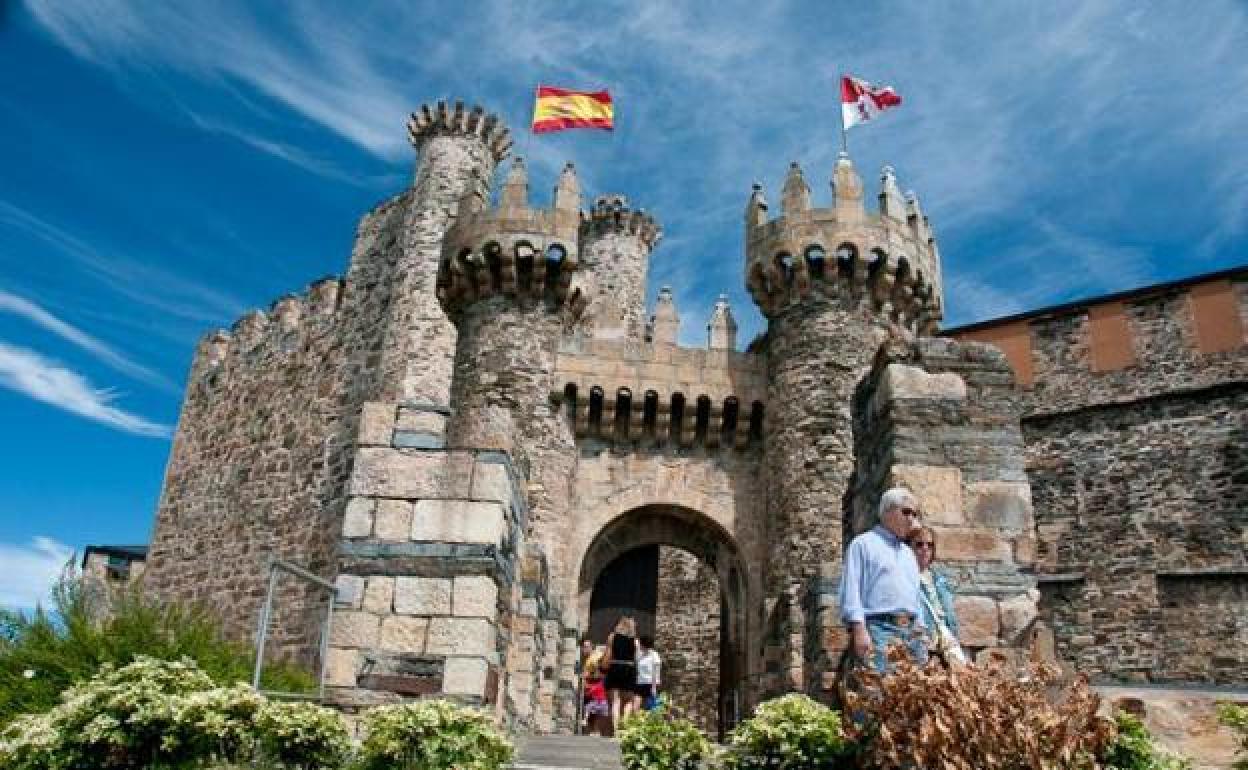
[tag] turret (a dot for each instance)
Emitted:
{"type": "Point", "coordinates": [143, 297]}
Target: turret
{"type": "Point", "coordinates": [509, 280]}
{"type": "Point", "coordinates": [616, 241]}
{"type": "Point", "coordinates": [721, 330]}
{"type": "Point", "coordinates": [665, 323]}
{"type": "Point", "coordinates": [884, 263]}
{"type": "Point", "coordinates": [458, 149]}
{"type": "Point", "coordinates": [834, 283]}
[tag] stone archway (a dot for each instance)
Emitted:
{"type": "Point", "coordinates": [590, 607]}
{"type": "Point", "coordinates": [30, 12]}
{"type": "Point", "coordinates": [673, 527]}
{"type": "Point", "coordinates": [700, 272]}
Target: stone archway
{"type": "Point", "coordinates": [706, 541]}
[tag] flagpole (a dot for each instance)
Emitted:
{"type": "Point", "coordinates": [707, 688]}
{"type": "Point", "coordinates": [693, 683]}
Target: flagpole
{"type": "Point", "coordinates": [840, 108]}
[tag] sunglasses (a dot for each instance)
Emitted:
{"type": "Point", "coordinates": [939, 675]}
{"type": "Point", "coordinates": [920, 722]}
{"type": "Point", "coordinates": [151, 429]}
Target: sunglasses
{"type": "Point", "coordinates": [913, 513]}
{"type": "Point", "coordinates": [923, 544]}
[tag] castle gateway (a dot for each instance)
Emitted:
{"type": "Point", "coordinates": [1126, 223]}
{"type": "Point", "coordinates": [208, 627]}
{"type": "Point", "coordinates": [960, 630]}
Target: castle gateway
{"type": "Point", "coordinates": [484, 439]}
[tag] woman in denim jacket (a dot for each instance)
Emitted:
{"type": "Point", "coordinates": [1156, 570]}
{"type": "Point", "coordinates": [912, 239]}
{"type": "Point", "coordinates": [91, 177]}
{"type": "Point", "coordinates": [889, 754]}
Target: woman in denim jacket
{"type": "Point", "coordinates": [937, 601]}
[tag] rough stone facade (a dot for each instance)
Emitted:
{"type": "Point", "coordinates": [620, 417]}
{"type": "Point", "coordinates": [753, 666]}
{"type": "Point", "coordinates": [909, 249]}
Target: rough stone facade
{"type": "Point", "coordinates": [479, 419]}
{"type": "Point", "coordinates": [1136, 427]}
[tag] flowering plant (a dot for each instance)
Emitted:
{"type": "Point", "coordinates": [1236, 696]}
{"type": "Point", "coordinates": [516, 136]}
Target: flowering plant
{"type": "Point", "coordinates": [432, 735]}
{"type": "Point", "coordinates": [301, 735]}
{"type": "Point", "coordinates": [656, 740]}
{"type": "Point", "coordinates": [793, 732]}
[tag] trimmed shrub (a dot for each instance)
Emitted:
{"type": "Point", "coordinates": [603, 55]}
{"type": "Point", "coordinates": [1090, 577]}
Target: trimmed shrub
{"type": "Point", "coordinates": [1236, 718]}
{"type": "Point", "coordinates": [792, 732]}
{"type": "Point", "coordinates": [301, 735]}
{"type": "Point", "coordinates": [657, 740]}
{"type": "Point", "coordinates": [432, 735]}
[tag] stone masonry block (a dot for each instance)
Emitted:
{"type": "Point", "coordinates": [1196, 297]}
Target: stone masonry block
{"type": "Point", "coordinates": [1004, 505]}
{"type": "Point", "coordinates": [341, 666]}
{"type": "Point", "coordinates": [978, 620]}
{"type": "Point", "coordinates": [411, 473]}
{"type": "Point", "coordinates": [379, 595]}
{"type": "Point", "coordinates": [938, 488]}
{"type": "Point", "coordinates": [354, 629]}
{"type": "Point", "coordinates": [458, 521]}
{"type": "Point", "coordinates": [350, 591]}
{"type": "Point", "coordinates": [419, 421]}
{"type": "Point", "coordinates": [460, 636]}
{"type": "Point", "coordinates": [491, 481]}
{"type": "Point", "coordinates": [465, 676]}
{"type": "Point", "coordinates": [392, 520]}
{"type": "Point", "coordinates": [972, 545]}
{"type": "Point", "coordinates": [910, 382]}
{"type": "Point", "coordinates": [358, 519]}
{"type": "Point", "coordinates": [422, 596]}
{"type": "Point", "coordinates": [1017, 614]}
{"type": "Point", "coordinates": [405, 635]}
{"type": "Point", "coordinates": [376, 424]}
{"type": "Point", "coordinates": [475, 596]}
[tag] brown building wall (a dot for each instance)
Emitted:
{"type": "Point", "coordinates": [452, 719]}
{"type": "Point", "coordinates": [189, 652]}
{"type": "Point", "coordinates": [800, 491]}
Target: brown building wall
{"type": "Point", "coordinates": [687, 635]}
{"type": "Point", "coordinates": [1136, 425]}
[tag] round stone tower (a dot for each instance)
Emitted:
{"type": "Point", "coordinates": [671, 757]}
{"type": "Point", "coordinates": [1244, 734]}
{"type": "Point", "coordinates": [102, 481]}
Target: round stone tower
{"type": "Point", "coordinates": [616, 242]}
{"type": "Point", "coordinates": [834, 284]}
{"type": "Point", "coordinates": [458, 151]}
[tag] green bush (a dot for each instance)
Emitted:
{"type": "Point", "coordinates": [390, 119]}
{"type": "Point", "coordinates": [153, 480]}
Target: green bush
{"type": "Point", "coordinates": [1133, 748]}
{"type": "Point", "coordinates": [162, 714]}
{"type": "Point", "coordinates": [45, 652]}
{"type": "Point", "coordinates": [1236, 718]}
{"type": "Point", "coordinates": [432, 735]}
{"type": "Point", "coordinates": [792, 732]}
{"type": "Point", "coordinates": [655, 740]}
{"type": "Point", "coordinates": [301, 735]}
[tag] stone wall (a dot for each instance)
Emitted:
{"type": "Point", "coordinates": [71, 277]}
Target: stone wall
{"type": "Point", "coordinates": [688, 636]}
{"type": "Point", "coordinates": [1136, 426]}
{"type": "Point", "coordinates": [941, 418]}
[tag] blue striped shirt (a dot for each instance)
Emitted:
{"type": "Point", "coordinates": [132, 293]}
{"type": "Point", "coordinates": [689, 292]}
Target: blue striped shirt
{"type": "Point", "coordinates": [881, 575]}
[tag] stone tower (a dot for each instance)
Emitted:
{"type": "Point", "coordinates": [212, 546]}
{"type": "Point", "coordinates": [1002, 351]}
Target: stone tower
{"type": "Point", "coordinates": [834, 284]}
{"type": "Point", "coordinates": [616, 244]}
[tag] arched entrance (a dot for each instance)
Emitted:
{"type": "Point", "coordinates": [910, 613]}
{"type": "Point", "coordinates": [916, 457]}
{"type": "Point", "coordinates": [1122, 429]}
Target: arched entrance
{"type": "Point", "coordinates": [654, 562]}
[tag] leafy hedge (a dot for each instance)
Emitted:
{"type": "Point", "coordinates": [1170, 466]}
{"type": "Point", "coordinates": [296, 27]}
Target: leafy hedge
{"type": "Point", "coordinates": [657, 740]}
{"type": "Point", "coordinates": [432, 735]}
{"type": "Point", "coordinates": [792, 732]}
{"type": "Point", "coordinates": [1236, 718]}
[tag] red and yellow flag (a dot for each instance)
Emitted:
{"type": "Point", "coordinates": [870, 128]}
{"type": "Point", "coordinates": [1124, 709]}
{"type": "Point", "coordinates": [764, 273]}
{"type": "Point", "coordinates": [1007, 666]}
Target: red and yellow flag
{"type": "Point", "coordinates": [559, 108]}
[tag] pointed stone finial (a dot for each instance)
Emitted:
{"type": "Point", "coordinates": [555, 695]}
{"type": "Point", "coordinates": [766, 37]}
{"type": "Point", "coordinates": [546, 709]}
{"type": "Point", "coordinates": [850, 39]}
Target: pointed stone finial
{"type": "Point", "coordinates": [756, 208]}
{"type": "Point", "coordinates": [515, 194]}
{"type": "Point", "coordinates": [721, 330]}
{"type": "Point", "coordinates": [795, 197]}
{"type": "Point", "coordinates": [891, 203]}
{"type": "Point", "coordinates": [846, 188]}
{"type": "Point", "coordinates": [666, 321]}
{"type": "Point", "coordinates": [568, 191]}
{"type": "Point", "coordinates": [918, 220]}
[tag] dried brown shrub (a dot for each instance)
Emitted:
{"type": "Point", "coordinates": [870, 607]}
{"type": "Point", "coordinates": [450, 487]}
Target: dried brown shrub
{"type": "Point", "coordinates": [991, 717]}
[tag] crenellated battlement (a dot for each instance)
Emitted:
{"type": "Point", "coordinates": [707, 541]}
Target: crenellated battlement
{"type": "Point", "coordinates": [514, 250]}
{"type": "Point", "coordinates": [885, 262]}
{"type": "Point", "coordinates": [612, 214]}
{"type": "Point", "coordinates": [661, 394]}
{"type": "Point", "coordinates": [456, 121]}
{"type": "Point", "coordinates": [281, 330]}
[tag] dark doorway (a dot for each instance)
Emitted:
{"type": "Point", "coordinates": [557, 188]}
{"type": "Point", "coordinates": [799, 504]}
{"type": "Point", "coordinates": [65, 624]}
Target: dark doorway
{"type": "Point", "coordinates": [628, 585]}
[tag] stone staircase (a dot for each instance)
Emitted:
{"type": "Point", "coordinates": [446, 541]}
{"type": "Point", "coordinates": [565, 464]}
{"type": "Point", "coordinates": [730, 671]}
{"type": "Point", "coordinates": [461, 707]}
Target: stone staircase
{"type": "Point", "coordinates": [566, 752]}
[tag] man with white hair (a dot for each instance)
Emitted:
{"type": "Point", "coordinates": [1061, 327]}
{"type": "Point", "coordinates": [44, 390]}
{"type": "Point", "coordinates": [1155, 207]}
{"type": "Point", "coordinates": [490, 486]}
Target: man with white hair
{"type": "Point", "coordinates": [880, 602]}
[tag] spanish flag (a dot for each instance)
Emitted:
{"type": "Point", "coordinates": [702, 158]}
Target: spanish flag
{"type": "Point", "coordinates": [559, 108]}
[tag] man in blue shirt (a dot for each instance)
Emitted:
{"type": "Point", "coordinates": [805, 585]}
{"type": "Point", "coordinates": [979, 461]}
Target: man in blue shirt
{"type": "Point", "coordinates": [880, 603]}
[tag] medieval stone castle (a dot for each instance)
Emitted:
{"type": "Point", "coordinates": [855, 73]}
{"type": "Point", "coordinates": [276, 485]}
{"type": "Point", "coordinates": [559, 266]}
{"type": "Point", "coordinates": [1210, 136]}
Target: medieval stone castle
{"type": "Point", "coordinates": [482, 437]}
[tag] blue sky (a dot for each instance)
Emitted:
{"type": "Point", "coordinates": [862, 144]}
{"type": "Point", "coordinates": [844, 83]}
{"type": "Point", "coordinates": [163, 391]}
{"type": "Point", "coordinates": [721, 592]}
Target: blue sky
{"type": "Point", "coordinates": [167, 166]}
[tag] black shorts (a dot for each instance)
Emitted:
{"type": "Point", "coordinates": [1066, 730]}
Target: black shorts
{"type": "Point", "coordinates": [644, 690]}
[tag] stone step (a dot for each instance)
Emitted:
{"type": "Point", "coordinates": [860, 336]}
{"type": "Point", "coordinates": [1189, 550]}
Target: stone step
{"type": "Point", "coordinates": [566, 752]}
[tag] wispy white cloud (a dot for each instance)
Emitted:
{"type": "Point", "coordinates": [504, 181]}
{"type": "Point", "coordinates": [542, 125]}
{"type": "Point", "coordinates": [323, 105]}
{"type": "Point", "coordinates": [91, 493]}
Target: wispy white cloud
{"type": "Point", "coordinates": [1010, 109]}
{"type": "Point", "coordinates": [29, 373]}
{"type": "Point", "coordinates": [36, 314]}
{"type": "Point", "coordinates": [141, 282]}
{"type": "Point", "coordinates": [30, 571]}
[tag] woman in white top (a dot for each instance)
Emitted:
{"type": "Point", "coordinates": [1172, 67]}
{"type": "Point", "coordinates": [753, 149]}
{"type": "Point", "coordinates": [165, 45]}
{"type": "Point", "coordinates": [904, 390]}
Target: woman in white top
{"type": "Point", "coordinates": [648, 672]}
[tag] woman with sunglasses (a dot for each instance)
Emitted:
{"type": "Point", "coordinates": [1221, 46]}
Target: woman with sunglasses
{"type": "Point", "coordinates": [936, 602]}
